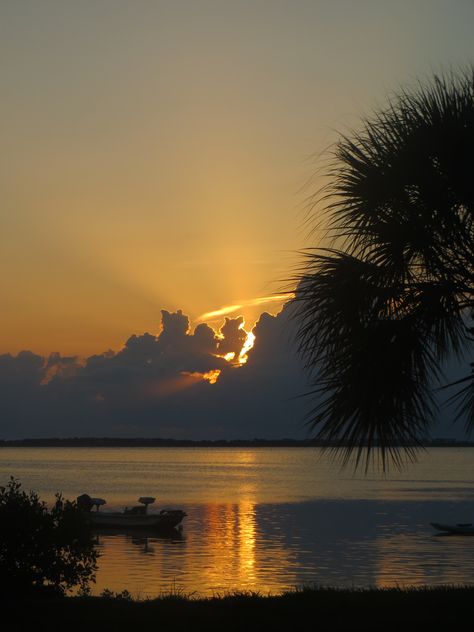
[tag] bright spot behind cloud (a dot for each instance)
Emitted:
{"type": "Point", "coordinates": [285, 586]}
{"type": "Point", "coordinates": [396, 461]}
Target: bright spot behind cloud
{"type": "Point", "coordinates": [248, 344]}
{"type": "Point", "coordinates": [209, 376]}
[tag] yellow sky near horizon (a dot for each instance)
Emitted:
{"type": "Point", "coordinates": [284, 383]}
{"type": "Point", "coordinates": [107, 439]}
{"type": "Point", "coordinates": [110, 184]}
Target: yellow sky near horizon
{"type": "Point", "coordinates": [155, 153]}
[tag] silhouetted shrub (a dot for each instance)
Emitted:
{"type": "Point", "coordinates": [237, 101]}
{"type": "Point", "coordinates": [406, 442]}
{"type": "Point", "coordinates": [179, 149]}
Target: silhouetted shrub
{"type": "Point", "coordinates": [42, 550]}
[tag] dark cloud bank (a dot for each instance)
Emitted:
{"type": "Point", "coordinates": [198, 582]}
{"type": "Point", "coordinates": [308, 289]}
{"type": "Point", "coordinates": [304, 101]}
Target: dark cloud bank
{"type": "Point", "coordinates": [154, 387]}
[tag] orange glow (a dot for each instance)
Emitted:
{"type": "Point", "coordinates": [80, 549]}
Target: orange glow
{"type": "Point", "coordinates": [50, 373]}
{"type": "Point", "coordinates": [211, 376]}
{"type": "Point", "coordinates": [251, 302]}
{"type": "Point", "coordinates": [165, 388]}
{"type": "Point", "coordinates": [228, 551]}
{"type": "Point", "coordinates": [185, 380]}
{"type": "Point", "coordinates": [247, 538]}
{"type": "Point", "coordinates": [219, 312]}
{"type": "Point", "coordinates": [248, 344]}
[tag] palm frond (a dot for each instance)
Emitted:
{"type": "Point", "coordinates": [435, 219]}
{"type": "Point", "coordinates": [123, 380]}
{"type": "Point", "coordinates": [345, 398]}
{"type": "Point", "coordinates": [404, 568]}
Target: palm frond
{"type": "Point", "coordinates": [463, 400]}
{"type": "Point", "coordinates": [380, 311]}
{"type": "Point", "coordinates": [369, 359]}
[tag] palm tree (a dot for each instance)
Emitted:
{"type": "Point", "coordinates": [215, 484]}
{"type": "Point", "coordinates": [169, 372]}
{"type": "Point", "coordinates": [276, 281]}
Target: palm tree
{"type": "Point", "coordinates": [380, 310]}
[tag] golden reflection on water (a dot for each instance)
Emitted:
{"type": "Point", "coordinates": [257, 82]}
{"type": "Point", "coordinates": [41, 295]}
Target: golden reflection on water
{"type": "Point", "coordinates": [246, 540]}
{"type": "Point", "coordinates": [221, 556]}
{"type": "Point", "coordinates": [264, 519]}
{"type": "Point", "coordinates": [229, 545]}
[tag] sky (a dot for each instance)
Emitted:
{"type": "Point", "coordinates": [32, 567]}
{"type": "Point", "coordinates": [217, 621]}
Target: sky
{"type": "Point", "coordinates": [159, 156]}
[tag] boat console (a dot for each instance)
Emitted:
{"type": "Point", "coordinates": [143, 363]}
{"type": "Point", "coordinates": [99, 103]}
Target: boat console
{"type": "Point", "coordinates": [143, 509]}
{"type": "Point", "coordinates": [86, 503]}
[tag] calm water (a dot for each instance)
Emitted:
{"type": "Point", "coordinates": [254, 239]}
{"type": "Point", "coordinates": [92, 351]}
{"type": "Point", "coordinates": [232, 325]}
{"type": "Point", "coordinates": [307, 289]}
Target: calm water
{"type": "Point", "coordinates": [266, 519]}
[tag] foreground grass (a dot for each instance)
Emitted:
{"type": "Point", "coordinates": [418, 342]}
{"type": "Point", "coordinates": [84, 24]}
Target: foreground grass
{"type": "Point", "coordinates": [305, 609]}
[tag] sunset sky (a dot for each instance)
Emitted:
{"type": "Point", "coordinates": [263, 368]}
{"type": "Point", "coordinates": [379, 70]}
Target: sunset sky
{"type": "Point", "coordinates": [156, 154]}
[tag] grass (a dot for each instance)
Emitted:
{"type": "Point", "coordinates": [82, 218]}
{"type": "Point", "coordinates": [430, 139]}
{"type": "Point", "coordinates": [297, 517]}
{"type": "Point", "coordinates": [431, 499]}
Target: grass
{"type": "Point", "coordinates": [300, 610]}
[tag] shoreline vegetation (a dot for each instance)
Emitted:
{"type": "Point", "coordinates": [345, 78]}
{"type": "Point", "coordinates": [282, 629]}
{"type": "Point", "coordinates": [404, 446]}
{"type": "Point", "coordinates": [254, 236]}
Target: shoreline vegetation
{"type": "Point", "coordinates": [301, 609]}
{"type": "Point", "coordinates": [143, 442]}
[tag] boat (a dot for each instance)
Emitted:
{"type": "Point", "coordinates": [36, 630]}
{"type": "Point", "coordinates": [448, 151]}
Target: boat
{"type": "Point", "coordinates": [464, 528]}
{"type": "Point", "coordinates": [136, 517]}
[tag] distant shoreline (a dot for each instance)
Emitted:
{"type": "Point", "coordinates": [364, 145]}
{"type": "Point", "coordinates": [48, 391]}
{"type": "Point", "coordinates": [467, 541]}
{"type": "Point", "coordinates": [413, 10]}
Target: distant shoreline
{"type": "Point", "coordinates": [141, 442]}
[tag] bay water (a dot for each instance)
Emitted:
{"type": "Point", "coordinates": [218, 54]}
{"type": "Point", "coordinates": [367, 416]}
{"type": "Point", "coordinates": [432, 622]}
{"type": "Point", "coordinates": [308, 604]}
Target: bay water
{"type": "Point", "coordinates": [265, 519]}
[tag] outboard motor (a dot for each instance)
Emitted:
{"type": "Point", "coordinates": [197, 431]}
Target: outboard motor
{"type": "Point", "coordinates": [142, 509]}
{"type": "Point", "coordinates": [84, 502]}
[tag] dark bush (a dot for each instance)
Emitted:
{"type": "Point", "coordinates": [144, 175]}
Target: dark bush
{"type": "Point", "coordinates": [42, 550]}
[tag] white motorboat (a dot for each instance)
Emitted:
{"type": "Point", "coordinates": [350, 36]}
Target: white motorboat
{"type": "Point", "coordinates": [465, 528]}
{"type": "Point", "coordinates": [136, 517]}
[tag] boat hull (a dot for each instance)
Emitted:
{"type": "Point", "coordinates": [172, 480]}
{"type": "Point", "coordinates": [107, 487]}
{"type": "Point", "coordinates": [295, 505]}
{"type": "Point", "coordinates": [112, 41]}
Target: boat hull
{"type": "Point", "coordinates": [454, 529]}
{"type": "Point", "coordinates": [167, 519]}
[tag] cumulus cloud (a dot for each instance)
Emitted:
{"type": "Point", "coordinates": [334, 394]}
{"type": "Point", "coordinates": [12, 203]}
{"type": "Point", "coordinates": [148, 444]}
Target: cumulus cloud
{"type": "Point", "coordinates": [59, 366]}
{"type": "Point", "coordinates": [233, 337]}
{"type": "Point", "coordinates": [175, 383]}
{"type": "Point", "coordinates": [25, 368]}
{"type": "Point", "coordinates": [262, 398]}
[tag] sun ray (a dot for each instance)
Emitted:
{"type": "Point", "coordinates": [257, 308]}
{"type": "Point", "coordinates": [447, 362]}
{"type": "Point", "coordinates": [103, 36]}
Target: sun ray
{"type": "Point", "coordinates": [251, 302]}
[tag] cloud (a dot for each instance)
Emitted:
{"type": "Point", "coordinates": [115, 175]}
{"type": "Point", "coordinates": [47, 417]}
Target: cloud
{"type": "Point", "coordinates": [175, 383]}
{"type": "Point", "coordinates": [24, 369]}
{"type": "Point", "coordinates": [57, 366]}
{"type": "Point", "coordinates": [171, 384]}
{"type": "Point", "coordinates": [233, 337]}
{"type": "Point", "coordinates": [20, 390]}
{"type": "Point", "coordinates": [261, 398]}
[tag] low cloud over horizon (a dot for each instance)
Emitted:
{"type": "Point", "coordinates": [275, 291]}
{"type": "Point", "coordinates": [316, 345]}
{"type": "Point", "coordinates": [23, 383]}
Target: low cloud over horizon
{"type": "Point", "coordinates": [203, 383]}
{"type": "Point", "coordinates": [199, 384]}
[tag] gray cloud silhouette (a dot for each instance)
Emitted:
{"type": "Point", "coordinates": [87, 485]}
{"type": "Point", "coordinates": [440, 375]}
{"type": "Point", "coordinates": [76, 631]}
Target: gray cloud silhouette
{"type": "Point", "coordinates": [155, 386]}
{"type": "Point", "coordinates": [234, 336]}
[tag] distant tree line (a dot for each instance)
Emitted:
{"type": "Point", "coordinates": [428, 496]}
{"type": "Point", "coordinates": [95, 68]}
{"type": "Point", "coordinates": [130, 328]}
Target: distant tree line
{"type": "Point", "coordinates": [111, 442]}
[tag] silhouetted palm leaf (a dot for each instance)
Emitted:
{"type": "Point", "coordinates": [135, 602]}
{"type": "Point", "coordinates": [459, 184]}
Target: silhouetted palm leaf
{"type": "Point", "coordinates": [381, 312]}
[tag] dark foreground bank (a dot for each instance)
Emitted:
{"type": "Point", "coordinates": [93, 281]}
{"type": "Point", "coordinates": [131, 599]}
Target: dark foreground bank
{"type": "Point", "coordinates": [309, 609]}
